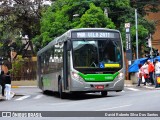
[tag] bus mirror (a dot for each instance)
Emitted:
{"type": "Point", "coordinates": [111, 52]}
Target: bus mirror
{"type": "Point", "coordinates": [68, 45]}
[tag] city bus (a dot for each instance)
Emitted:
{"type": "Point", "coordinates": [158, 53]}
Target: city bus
{"type": "Point", "coordinates": [82, 60]}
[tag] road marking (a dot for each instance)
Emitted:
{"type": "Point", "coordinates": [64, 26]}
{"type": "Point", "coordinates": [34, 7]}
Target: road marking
{"type": "Point", "coordinates": [38, 96]}
{"type": "Point", "coordinates": [22, 98]}
{"type": "Point", "coordinates": [133, 89]}
{"type": "Point", "coordinates": [114, 107]}
{"type": "Point", "coordinates": [149, 87]}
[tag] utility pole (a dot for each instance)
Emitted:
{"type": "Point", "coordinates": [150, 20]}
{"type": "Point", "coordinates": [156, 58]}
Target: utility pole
{"type": "Point", "coordinates": [150, 44]}
{"type": "Point", "coordinates": [136, 22]}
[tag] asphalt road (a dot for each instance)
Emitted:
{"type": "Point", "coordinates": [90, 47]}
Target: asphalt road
{"type": "Point", "coordinates": [131, 99]}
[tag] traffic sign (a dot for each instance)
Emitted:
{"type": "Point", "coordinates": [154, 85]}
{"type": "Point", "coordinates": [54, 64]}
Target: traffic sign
{"type": "Point", "coordinates": [127, 25]}
{"type": "Point", "coordinates": [101, 65]}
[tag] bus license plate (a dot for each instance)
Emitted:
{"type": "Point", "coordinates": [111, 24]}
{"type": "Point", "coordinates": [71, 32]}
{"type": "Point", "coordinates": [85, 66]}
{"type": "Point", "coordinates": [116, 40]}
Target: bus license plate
{"type": "Point", "coordinates": [99, 86]}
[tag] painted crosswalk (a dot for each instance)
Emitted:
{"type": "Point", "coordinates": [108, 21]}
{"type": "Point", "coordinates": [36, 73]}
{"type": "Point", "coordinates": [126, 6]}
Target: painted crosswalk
{"type": "Point", "coordinates": [29, 97]}
{"type": "Point", "coordinates": [133, 89]}
{"type": "Point", "coordinates": [40, 96]}
{"type": "Point", "coordinates": [22, 98]}
{"type": "Point", "coordinates": [126, 89]}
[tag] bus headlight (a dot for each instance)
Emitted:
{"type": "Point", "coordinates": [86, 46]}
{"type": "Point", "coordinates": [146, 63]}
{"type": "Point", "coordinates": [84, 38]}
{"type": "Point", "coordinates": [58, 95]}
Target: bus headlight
{"type": "Point", "coordinates": [75, 76]}
{"type": "Point", "coordinates": [120, 76]}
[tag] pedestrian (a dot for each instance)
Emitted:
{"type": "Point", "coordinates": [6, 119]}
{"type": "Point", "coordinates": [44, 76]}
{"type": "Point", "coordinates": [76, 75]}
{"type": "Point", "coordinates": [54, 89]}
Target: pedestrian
{"type": "Point", "coordinates": [151, 71]}
{"type": "Point", "coordinates": [140, 74]}
{"type": "Point", "coordinates": [157, 72]}
{"type": "Point", "coordinates": [2, 80]}
{"type": "Point", "coordinates": [8, 85]}
{"type": "Point", "coordinates": [146, 72]}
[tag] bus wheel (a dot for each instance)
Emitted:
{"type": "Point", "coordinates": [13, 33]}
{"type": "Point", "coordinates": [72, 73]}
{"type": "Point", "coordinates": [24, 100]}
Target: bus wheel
{"type": "Point", "coordinates": [104, 93]}
{"type": "Point", "coordinates": [61, 93]}
{"type": "Point", "coordinates": [44, 91]}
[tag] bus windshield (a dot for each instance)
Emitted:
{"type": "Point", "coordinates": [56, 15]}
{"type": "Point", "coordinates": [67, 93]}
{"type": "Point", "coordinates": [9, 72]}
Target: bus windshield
{"type": "Point", "coordinates": [105, 53]}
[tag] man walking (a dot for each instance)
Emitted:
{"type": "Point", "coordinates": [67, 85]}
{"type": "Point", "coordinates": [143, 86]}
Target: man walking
{"type": "Point", "coordinates": [151, 70]}
{"type": "Point", "coordinates": [2, 82]}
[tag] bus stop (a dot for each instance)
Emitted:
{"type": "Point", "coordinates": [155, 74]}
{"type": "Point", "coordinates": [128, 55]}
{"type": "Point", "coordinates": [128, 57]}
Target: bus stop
{"type": "Point", "coordinates": [133, 69]}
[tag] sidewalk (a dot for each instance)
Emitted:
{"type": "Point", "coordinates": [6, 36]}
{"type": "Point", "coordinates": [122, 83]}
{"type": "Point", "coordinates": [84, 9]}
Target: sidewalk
{"type": "Point", "coordinates": [19, 84]}
{"type": "Point", "coordinates": [128, 83]}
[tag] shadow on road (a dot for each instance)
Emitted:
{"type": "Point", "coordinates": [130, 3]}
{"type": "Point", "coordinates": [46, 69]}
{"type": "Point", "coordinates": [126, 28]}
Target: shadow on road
{"type": "Point", "coordinates": [79, 96]}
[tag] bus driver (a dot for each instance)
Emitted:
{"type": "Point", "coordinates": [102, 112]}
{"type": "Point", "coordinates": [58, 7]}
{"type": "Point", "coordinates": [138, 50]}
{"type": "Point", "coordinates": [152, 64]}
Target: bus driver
{"type": "Point", "coordinates": [106, 59]}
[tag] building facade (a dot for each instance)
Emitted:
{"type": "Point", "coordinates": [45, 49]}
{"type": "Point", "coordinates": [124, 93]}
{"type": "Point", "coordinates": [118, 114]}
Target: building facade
{"type": "Point", "coordinates": [156, 35]}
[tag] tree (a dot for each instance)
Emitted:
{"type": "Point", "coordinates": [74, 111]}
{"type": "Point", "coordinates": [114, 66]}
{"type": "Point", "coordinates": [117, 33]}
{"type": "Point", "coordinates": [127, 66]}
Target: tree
{"type": "Point", "coordinates": [16, 66]}
{"type": "Point", "coordinates": [53, 23]}
{"type": "Point", "coordinates": [95, 17]}
{"type": "Point", "coordinates": [60, 17]}
{"type": "Point", "coordinates": [19, 18]}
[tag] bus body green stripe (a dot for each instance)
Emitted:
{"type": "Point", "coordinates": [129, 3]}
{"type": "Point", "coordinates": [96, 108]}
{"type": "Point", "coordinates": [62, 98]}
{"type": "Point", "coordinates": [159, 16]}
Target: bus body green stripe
{"type": "Point", "coordinates": [98, 77]}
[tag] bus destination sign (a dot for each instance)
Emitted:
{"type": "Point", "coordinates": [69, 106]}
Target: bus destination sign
{"type": "Point", "coordinates": [95, 35]}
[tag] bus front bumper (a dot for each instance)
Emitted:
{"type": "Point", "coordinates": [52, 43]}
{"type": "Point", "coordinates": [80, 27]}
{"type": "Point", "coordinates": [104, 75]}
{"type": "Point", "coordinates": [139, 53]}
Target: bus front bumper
{"type": "Point", "coordinates": [115, 85]}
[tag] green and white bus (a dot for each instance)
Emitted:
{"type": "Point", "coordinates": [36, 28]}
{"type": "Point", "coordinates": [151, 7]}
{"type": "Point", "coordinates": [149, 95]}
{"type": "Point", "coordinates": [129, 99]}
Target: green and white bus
{"type": "Point", "coordinates": [82, 60]}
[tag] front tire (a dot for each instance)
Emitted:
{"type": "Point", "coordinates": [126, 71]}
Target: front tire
{"type": "Point", "coordinates": [104, 93]}
{"type": "Point", "coordinates": [61, 93]}
{"type": "Point", "coordinates": [43, 90]}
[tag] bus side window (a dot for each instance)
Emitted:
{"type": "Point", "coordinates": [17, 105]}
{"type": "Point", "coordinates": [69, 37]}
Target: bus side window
{"type": "Point", "coordinates": [42, 63]}
{"type": "Point", "coordinates": [58, 56]}
{"type": "Point", "coordinates": [69, 45]}
{"type": "Point", "coordinates": [51, 59]}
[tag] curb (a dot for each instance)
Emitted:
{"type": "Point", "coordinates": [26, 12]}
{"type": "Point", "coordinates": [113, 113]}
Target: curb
{"type": "Point", "coordinates": [152, 88]}
{"type": "Point", "coordinates": [128, 85]}
{"type": "Point", "coordinates": [23, 86]}
{"type": "Point", "coordinates": [2, 98]}
{"type": "Point", "coordinates": [147, 86]}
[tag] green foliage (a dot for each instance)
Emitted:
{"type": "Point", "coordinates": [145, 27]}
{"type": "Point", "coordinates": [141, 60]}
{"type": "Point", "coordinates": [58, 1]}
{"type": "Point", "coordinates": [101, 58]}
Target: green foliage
{"type": "Point", "coordinates": [21, 19]}
{"type": "Point", "coordinates": [53, 24]}
{"type": "Point", "coordinates": [60, 17]}
{"type": "Point", "coordinates": [17, 65]}
{"type": "Point", "coordinates": [94, 17]}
